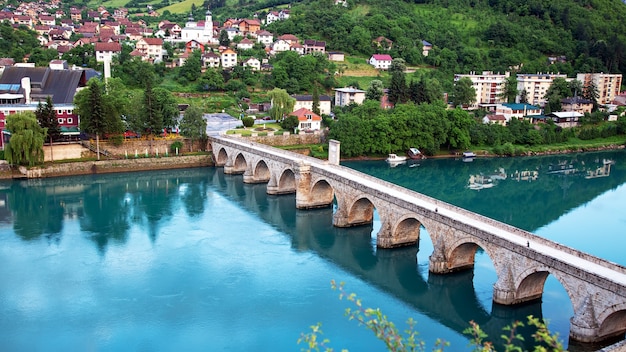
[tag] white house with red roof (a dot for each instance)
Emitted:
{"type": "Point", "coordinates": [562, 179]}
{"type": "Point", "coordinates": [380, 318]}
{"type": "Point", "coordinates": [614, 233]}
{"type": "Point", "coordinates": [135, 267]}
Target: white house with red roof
{"type": "Point", "coordinates": [229, 58]}
{"type": "Point", "coordinates": [151, 49]}
{"type": "Point", "coordinates": [106, 51]}
{"type": "Point", "coordinates": [381, 61]}
{"type": "Point", "coordinates": [308, 120]}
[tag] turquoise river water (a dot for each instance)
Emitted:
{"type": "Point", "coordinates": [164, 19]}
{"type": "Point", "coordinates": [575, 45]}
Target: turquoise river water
{"type": "Point", "coordinates": [195, 260]}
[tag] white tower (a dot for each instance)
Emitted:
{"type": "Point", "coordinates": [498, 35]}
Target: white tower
{"type": "Point", "coordinates": [208, 25]}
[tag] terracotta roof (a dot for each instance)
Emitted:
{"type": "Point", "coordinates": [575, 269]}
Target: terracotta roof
{"type": "Point", "coordinates": [302, 115]}
{"type": "Point", "coordinates": [115, 47]}
{"type": "Point", "coordinates": [153, 41]}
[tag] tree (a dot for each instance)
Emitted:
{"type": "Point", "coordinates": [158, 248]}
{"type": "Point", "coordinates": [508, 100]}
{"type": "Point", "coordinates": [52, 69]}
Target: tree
{"type": "Point", "coordinates": [26, 144]}
{"type": "Point", "coordinates": [90, 110]}
{"type": "Point", "coordinates": [590, 92]}
{"type": "Point", "coordinates": [212, 80]}
{"type": "Point", "coordinates": [290, 122]}
{"type": "Point", "coordinates": [558, 90]}
{"type": "Point", "coordinates": [193, 124]}
{"type": "Point", "coordinates": [223, 38]}
{"type": "Point", "coordinates": [398, 90]}
{"type": "Point", "coordinates": [316, 100]}
{"type": "Point", "coordinates": [375, 90]}
{"type": "Point", "coordinates": [463, 93]}
{"type": "Point", "coordinates": [509, 93]}
{"type": "Point", "coordinates": [282, 103]}
{"type": "Point", "coordinates": [192, 69]}
{"type": "Point", "coordinates": [47, 118]}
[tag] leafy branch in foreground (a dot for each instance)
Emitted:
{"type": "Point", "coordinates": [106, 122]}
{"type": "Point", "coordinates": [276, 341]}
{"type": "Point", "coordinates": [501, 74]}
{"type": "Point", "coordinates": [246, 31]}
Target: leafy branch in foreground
{"type": "Point", "coordinates": [396, 341]}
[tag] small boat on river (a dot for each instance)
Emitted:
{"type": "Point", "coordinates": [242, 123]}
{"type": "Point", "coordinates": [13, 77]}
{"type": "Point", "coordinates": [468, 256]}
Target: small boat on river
{"type": "Point", "coordinates": [468, 156]}
{"type": "Point", "coordinates": [395, 160]}
{"type": "Point", "coordinates": [415, 153]}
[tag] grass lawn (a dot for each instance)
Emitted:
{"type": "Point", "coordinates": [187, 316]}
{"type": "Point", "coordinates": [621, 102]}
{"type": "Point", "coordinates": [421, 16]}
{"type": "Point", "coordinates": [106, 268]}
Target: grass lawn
{"type": "Point", "coordinates": [182, 7]}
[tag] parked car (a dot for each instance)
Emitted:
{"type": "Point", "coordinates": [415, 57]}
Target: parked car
{"type": "Point", "coordinates": [131, 134]}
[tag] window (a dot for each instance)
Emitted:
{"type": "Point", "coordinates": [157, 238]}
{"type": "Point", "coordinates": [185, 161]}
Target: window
{"type": "Point", "coordinates": [69, 120]}
{"type": "Point", "coordinates": [61, 120]}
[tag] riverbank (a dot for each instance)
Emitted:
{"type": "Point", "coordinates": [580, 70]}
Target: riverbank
{"type": "Point", "coordinates": [107, 166]}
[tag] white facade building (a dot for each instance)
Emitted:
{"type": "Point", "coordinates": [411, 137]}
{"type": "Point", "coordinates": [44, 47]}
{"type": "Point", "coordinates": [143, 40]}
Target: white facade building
{"type": "Point", "coordinates": [535, 86]}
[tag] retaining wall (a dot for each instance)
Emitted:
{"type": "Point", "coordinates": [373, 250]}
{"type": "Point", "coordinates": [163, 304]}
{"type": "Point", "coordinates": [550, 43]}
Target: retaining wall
{"type": "Point", "coordinates": [109, 166]}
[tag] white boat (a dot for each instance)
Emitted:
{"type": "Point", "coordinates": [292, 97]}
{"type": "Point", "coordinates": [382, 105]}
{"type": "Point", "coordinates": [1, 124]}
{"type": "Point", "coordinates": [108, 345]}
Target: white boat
{"type": "Point", "coordinates": [469, 154]}
{"type": "Point", "coordinates": [394, 159]}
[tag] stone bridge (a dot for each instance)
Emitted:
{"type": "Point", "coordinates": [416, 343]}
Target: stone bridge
{"type": "Point", "coordinates": [522, 260]}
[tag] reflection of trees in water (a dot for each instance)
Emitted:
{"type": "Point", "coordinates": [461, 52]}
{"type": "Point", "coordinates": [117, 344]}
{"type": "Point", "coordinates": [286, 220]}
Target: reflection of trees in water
{"type": "Point", "coordinates": [512, 201]}
{"type": "Point", "coordinates": [153, 203]}
{"type": "Point", "coordinates": [35, 212]}
{"type": "Point", "coordinates": [105, 214]}
{"type": "Point", "coordinates": [194, 198]}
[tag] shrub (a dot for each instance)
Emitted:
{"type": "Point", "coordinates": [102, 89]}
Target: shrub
{"type": "Point", "coordinates": [117, 140]}
{"type": "Point", "coordinates": [248, 121]}
{"type": "Point", "coordinates": [395, 340]}
{"type": "Point", "coordinates": [178, 145]}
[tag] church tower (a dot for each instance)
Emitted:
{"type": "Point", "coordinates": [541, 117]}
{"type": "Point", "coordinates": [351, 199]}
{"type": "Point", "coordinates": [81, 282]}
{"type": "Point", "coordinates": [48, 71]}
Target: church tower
{"type": "Point", "coordinates": [208, 25]}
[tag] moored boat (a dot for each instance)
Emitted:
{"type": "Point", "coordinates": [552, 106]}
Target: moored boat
{"type": "Point", "coordinates": [394, 159]}
{"type": "Point", "coordinates": [415, 153]}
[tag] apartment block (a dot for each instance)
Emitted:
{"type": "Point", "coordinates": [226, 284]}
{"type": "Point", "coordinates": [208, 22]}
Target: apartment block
{"type": "Point", "coordinates": [535, 86]}
{"type": "Point", "coordinates": [608, 84]}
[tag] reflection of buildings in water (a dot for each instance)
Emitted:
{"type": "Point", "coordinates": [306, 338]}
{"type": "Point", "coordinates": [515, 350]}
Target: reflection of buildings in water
{"type": "Point", "coordinates": [500, 174]}
{"type": "Point", "coordinates": [478, 182]}
{"type": "Point", "coordinates": [589, 171]}
{"type": "Point", "coordinates": [525, 175]}
{"type": "Point", "coordinates": [601, 171]}
{"type": "Point", "coordinates": [563, 167]}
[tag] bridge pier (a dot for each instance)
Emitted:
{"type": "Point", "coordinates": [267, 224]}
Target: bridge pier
{"type": "Point", "coordinates": [308, 195]}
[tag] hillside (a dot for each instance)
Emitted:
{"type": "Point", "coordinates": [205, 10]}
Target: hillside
{"type": "Point", "coordinates": [467, 35]}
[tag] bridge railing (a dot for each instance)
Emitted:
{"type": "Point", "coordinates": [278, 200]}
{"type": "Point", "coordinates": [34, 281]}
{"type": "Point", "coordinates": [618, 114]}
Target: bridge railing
{"type": "Point", "coordinates": [323, 167]}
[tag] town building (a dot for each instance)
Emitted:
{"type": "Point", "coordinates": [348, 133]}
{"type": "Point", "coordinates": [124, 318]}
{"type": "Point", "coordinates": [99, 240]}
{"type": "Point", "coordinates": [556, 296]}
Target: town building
{"type": "Point", "coordinates": [607, 84]}
{"type": "Point", "coordinates": [23, 88]}
{"type": "Point", "coordinates": [488, 86]}
{"type": "Point", "coordinates": [348, 95]}
{"type": "Point", "coordinates": [534, 86]}
{"type": "Point", "coordinates": [306, 101]}
{"type": "Point", "coordinates": [308, 120]}
{"type": "Point", "coordinates": [202, 32]}
{"type": "Point", "coordinates": [577, 104]}
{"type": "Point", "coordinates": [380, 61]}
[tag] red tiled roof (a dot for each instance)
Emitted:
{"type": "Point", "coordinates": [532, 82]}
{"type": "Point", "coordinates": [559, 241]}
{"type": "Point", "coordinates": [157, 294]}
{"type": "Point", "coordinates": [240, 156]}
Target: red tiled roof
{"type": "Point", "coordinates": [302, 113]}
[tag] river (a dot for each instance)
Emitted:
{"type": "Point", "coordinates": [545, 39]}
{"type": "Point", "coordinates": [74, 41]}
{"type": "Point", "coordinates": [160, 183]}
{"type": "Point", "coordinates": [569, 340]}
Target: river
{"type": "Point", "coordinates": [196, 260]}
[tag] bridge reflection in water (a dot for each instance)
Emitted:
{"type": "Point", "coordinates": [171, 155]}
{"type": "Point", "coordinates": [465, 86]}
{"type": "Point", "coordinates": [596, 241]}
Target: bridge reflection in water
{"type": "Point", "coordinates": [449, 299]}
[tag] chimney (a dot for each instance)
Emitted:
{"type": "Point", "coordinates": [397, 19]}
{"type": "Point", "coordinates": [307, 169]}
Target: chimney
{"type": "Point", "coordinates": [26, 87]}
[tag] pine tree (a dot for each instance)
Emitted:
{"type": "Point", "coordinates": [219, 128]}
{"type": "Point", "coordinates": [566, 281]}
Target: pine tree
{"type": "Point", "coordinates": [47, 118]}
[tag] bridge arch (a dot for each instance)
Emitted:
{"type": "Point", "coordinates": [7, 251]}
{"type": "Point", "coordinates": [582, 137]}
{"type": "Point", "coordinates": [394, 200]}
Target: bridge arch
{"type": "Point", "coordinates": [287, 181]}
{"type": "Point", "coordinates": [462, 253]}
{"type": "Point", "coordinates": [321, 194]}
{"type": "Point", "coordinates": [613, 322]}
{"type": "Point", "coordinates": [259, 172]}
{"type": "Point", "coordinates": [530, 283]}
{"type": "Point", "coordinates": [221, 157]}
{"type": "Point", "coordinates": [406, 230]}
{"type": "Point", "coordinates": [359, 212]}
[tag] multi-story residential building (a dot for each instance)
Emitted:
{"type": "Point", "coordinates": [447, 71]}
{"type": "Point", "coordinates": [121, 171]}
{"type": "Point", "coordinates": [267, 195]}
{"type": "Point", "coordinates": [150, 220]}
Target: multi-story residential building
{"type": "Point", "coordinates": [535, 86]}
{"type": "Point", "coordinates": [151, 49]}
{"type": "Point", "coordinates": [229, 58]}
{"type": "Point", "coordinates": [264, 37]}
{"type": "Point", "coordinates": [607, 84]}
{"type": "Point", "coordinates": [380, 61]}
{"type": "Point", "coordinates": [348, 95]}
{"type": "Point", "coordinates": [306, 101]}
{"type": "Point", "coordinates": [488, 86]}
